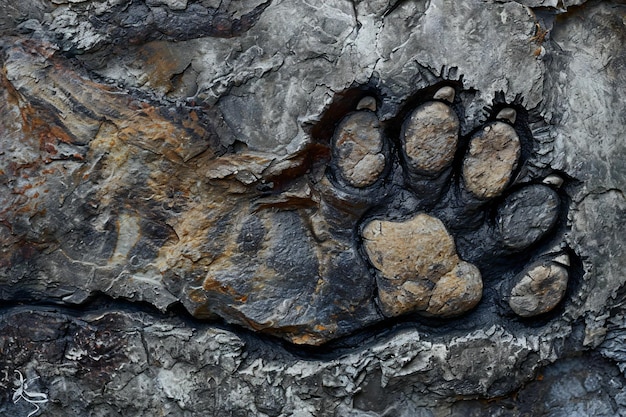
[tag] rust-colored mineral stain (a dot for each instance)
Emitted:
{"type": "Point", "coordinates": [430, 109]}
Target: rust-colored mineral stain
{"type": "Point", "coordinates": [212, 285]}
{"type": "Point", "coordinates": [139, 123]}
{"type": "Point", "coordinates": [197, 296]}
{"type": "Point", "coordinates": [39, 122]}
{"type": "Point", "coordinates": [307, 339]}
{"type": "Point", "coordinates": [49, 147]}
{"type": "Point", "coordinates": [160, 63]}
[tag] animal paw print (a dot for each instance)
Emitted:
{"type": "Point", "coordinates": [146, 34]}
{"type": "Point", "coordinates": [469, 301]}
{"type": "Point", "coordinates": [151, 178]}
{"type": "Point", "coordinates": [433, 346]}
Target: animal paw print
{"type": "Point", "coordinates": [447, 208]}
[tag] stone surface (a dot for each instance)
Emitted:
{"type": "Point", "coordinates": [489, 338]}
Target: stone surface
{"type": "Point", "coordinates": [527, 215]}
{"type": "Point", "coordinates": [430, 136]}
{"type": "Point", "coordinates": [358, 149]}
{"type": "Point", "coordinates": [419, 268]}
{"type": "Point", "coordinates": [539, 289]}
{"type": "Point", "coordinates": [86, 365]}
{"type": "Point", "coordinates": [492, 157]}
{"type": "Point", "coordinates": [176, 154]}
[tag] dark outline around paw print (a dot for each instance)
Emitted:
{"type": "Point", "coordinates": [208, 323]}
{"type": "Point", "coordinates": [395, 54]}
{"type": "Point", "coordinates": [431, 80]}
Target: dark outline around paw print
{"type": "Point", "coordinates": [506, 232]}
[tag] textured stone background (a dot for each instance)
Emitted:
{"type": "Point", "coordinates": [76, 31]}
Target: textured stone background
{"type": "Point", "coordinates": [178, 81]}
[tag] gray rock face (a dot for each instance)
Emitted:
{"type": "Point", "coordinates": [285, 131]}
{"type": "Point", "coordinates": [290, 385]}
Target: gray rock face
{"type": "Point", "coordinates": [227, 204]}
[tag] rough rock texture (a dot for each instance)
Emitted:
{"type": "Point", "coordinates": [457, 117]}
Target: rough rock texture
{"type": "Point", "coordinates": [358, 149]}
{"type": "Point", "coordinates": [176, 237]}
{"type": "Point", "coordinates": [430, 136]}
{"type": "Point", "coordinates": [519, 208]}
{"type": "Point", "coordinates": [419, 268]}
{"type": "Point", "coordinates": [491, 159]}
{"type": "Point", "coordinates": [539, 289]}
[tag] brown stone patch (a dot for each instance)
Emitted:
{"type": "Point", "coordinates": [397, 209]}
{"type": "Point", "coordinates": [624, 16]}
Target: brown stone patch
{"type": "Point", "coordinates": [419, 270]}
{"type": "Point", "coordinates": [492, 157]}
{"type": "Point", "coordinates": [539, 288]}
{"type": "Point", "coordinates": [430, 136]}
{"type": "Point", "coordinates": [358, 149]}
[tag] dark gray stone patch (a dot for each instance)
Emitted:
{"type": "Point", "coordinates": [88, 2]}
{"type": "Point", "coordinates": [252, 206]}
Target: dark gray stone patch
{"type": "Point", "coordinates": [251, 235]}
{"type": "Point", "coordinates": [527, 215]}
{"type": "Point", "coordinates": [291, 254]}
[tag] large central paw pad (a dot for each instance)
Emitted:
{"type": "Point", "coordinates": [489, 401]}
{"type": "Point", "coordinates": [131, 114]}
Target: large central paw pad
{"type": "Point", "coordinates": [420, 269]}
